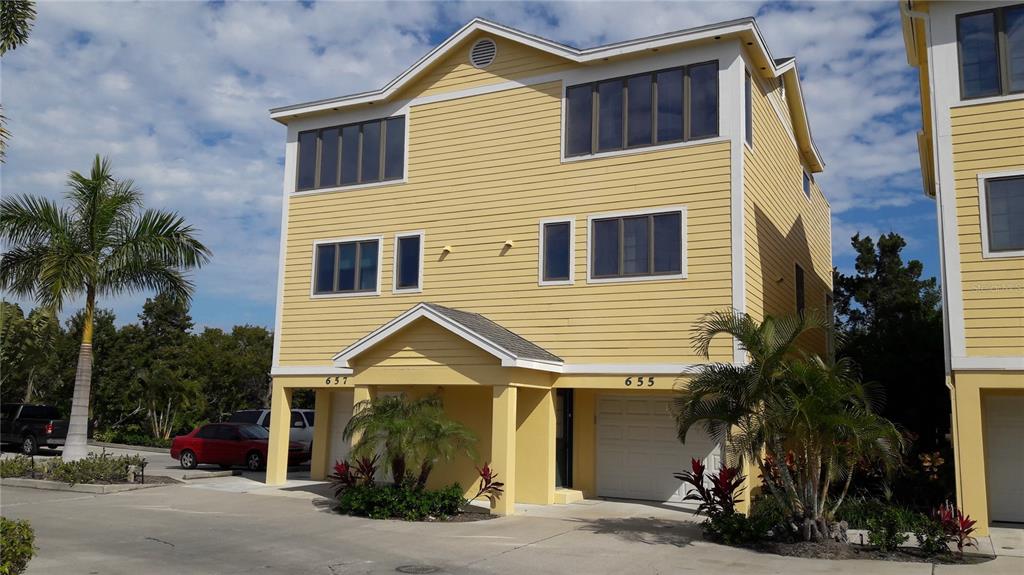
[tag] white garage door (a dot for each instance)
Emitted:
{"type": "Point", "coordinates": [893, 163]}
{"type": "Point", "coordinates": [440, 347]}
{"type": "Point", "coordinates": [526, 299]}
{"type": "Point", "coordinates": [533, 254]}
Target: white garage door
{"type": "Point", "coordinates": [638, 451]}
{"type": "Point", "coordinates": [341, 412]}
{"type": "Point", "coordinates": [1004, 464]}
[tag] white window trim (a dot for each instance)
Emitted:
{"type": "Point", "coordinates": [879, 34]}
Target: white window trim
{"type": "Point", "coordinates": [394, 264]}
{"type": "Point", "coordinates": [663, 277]}
{"type": "Point", "coordinates": [572, 251]}
{"type": "Point", "coordinates": [983, 214]}
{"type": "Point", "coordinates": [380, 266]}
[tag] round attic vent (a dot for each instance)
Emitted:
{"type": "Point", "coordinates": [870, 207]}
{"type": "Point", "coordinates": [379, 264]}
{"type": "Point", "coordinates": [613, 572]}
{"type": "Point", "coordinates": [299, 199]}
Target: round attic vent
{"type": "Point", "coordinates": [483, 53]}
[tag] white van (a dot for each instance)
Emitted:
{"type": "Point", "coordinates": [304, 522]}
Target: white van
{"type": "Point", "coordinates": [301, 424]}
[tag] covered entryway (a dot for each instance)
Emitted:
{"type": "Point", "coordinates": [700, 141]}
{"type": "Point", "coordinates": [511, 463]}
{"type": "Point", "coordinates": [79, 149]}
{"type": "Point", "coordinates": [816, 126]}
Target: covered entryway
{"type": "Point", "coordinates": [1004, 466]}
{"type": "Point", "coordinates": [638, 451]}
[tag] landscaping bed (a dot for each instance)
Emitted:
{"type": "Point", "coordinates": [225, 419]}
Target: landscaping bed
{"type": "Point", "coordinates": [94, 469]}
{"type": "Point", "coordinates": [838, 551]}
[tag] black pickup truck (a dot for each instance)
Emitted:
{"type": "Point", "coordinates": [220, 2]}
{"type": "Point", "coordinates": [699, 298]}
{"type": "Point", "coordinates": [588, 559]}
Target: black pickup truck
{"type": "Point", "coordinates": [32, 426]}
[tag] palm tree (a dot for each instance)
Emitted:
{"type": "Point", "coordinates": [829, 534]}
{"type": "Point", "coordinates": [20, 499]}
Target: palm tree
{"type": "Point", "coordinates": [408, 433]}
{"type": "Point", "coordinates": [16, 18]}
{"type": "Point", "coordinates": [791, 406]}
{"type": "Point", "coordinates": [102, 244]}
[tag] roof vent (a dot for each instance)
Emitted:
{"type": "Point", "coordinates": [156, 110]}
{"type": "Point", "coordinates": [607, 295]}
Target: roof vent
{"type": "Point", "coordinates": [483, 53]}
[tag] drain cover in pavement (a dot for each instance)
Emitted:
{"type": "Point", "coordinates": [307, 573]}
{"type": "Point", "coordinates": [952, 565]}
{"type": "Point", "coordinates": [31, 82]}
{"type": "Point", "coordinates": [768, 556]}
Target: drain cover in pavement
{"type": "Point", "coordinates": [417, 569]}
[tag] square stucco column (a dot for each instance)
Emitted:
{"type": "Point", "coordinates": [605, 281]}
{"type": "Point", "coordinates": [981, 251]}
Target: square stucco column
{"type": "Point", "coordinates": [320, 462]}
{"type": "Point", "coordinates": [535, 446]}
{"type": "Point", "coordinates": [280, 427]}
{"type": "Point", "coordinates": [503, 445]}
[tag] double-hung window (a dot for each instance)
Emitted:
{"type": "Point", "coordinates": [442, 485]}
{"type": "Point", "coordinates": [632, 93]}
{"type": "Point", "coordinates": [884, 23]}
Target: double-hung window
{"type": "Point", "coordinates": [991, 52]}
{"type": "Point", "coordinates": [354, 154]}
{"type": "Point", "coordinates": [408, 262]}
{"type": "Point", "coordinates": [556, 257]}
{"type": "Point", "coordinates": [347, 267]}
{"type": "Point", "coordinates": [647, 109]}
{"type": "Point", "coordinates": [1002, 215]}
{"type": "Point", "coordinates": [637, 246]}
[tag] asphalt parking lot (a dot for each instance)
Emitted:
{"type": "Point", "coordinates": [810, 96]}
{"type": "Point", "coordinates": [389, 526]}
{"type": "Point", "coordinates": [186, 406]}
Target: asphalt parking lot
{"type": "Point", "coordinates": [236, 525]}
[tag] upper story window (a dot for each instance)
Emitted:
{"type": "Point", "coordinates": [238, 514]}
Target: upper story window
{"type": "Point", "coordinates": [807, 184]}
{"type": "Point", "coordinates": [556, 239]}
{"type": "Point", "coordinates": [347, 267]}
{"type": "Point", "coordinates": [1002, 212]}
{"type": "Point", "coordinates": [408, 262]}
{"type": "Point", "coordinates": [991, 47]}
{"type": "Point", "coordinates": [639, 246]}
{"type": "Point", "coordinates": [748, 110]}
{"type": "Point", "coordinates": [643, 110]}
{"type": "Point", "coordinates": [362, 153]}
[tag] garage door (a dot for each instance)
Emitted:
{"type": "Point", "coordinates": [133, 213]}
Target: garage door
{"type": "Point", "coordinates": [341, 412]}
{"type": "Point", "coordinates": [1004, 466]}
{"type": "Point", "coordinates": [637, 449]}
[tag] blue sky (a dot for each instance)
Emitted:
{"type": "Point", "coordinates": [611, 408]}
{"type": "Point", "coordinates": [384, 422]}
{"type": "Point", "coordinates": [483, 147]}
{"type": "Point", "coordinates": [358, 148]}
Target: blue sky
{"type": "Point", "coordinates": [177, 93]}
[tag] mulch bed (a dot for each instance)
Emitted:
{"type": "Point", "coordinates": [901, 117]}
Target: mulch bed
{"type": "Point", "coordinates": [467, 516]}
{"type": "Point", "coordinates": [833, 550]}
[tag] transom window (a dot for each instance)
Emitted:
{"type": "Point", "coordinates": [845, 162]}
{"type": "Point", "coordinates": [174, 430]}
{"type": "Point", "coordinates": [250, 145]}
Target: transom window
{"type": "Point", "coordinates": [636, 246]}
{"type": "Point", "coordinates": [556, 239]}
{"type": "Point", "coordinates": [408, 262]}
{"type": "Point", "coordinates": [643, 110]}
{"type": "Point", "coordinates": [353, 154]}
{"type": "Point", "coordinates": [1003, 207]}
{"type": "Point", "coordinates": [991, 49]}
{"type": "Point", "coordinates": [347, 267]}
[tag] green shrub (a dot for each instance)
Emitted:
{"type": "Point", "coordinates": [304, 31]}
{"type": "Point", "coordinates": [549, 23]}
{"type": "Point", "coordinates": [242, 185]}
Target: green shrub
{"type": "Point", "coordinates": [931, 536]}
{"type": "Point", "coordinates": [102, 468]}
{"type": "Point", "coordinates": [17, 466]}
{"type": "Point", "coordinates": [858, 512]}
{"type": "Point", "coordinates": [400, 502]}
{"type": "Point", "coordinates": [731, 529]}
{"type": "Point", "coordinates": [887, 531]}
{"type": "Point", "coordinates": [767, 515]}
{"type": "Point", "coordinates": [16, 546]}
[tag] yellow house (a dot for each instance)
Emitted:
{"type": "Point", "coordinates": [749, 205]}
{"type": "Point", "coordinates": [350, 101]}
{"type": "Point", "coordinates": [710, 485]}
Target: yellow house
{"type": "Point", "coordinates": [531, 231]}
{"type": "Point", "coordinates": [970, 57]}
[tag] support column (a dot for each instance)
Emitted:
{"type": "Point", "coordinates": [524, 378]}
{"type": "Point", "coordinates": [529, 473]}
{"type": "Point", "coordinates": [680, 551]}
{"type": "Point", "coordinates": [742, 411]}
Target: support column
{"type": "Point", "coordinates": [360, 393]}
{"type": "Point", "coordinates": [320, 464]}
{"type": "Point", "coordinates": [280, 427]}
{"type": "Point", "coordinates": [503, 445]}
{"type": "Point", "coordinates": [535, 446]}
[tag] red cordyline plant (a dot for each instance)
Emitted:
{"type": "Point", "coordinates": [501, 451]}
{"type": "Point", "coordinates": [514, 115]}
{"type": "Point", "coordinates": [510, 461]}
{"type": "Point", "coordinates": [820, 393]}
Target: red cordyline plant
{"type": "Point", "coordinates": [489, 486]}
{"type": "Point", "coordinates": [360, 472]}
{"type": "Point", "coordinates": [956, 526]}
{"type": "Point", "coordinates": [718, 498]}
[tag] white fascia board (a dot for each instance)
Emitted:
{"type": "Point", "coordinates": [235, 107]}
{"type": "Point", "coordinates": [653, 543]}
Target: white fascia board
{"type": "Point", "coordinates": [988, 363]}
{"type": "Point", "coordinates": [325, 370]}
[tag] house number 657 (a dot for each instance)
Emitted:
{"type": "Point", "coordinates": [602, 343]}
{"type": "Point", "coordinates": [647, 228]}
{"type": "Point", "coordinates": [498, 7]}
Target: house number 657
{"type": "Point", "coordinates": [640, 382]}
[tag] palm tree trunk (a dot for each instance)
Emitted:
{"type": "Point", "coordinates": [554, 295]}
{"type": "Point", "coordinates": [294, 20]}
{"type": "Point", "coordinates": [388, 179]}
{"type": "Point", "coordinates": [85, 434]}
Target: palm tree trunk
{"type": "Point", "coordinates": [78, 426]}
{"type": "Point", "coordinates": [29, 385]}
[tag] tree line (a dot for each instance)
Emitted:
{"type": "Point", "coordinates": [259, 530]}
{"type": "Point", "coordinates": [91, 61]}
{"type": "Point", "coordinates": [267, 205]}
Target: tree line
{"type": "Point", "coordinates": [152, 379]}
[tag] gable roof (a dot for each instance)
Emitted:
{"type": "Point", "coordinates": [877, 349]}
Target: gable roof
{"type": "Point", "coordinates": [744, 28]}
{"type": "Point", "coordinates": [513, 350]}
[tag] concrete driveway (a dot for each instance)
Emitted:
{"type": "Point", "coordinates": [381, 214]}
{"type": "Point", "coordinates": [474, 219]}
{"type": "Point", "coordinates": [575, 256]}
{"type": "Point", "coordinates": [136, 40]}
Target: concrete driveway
{"type": "Point", "coordinates": [234, 525]}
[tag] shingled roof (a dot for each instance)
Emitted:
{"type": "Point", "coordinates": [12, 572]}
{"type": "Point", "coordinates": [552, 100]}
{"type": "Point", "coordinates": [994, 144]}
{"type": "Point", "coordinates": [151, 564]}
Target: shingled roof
{"type": "Point", "coordinates": [512, 349]}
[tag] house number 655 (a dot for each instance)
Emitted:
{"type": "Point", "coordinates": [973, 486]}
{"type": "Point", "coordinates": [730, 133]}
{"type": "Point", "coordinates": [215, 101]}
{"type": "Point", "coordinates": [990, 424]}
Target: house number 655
{"type": "Point", "coordinates": [640, 382]}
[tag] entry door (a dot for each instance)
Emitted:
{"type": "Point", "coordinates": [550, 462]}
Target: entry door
{"type": "Point", "coordinates": [1004, 464]}
{"type": "Point", "coordinates": [638, 451]}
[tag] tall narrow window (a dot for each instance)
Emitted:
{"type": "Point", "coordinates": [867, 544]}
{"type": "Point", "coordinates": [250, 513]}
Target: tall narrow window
{"type": "Point", "coordinates": [1004, 214]}
{"type": "Point", "coordinates": [807, 184]}
{"type": "Point", "coordinates": [638, 118]}
{"type": "Point", "coordinates": [307, 160]}
{"type": "Point", "coordinates": [350, 155]}
{"type": "Point", "coordinates": [394, 151]}
{"type": "Point", "coordinates": [1013, 19]}
{"type": "Point", "coordinates": [670, 105]}
{"type": "Point", "coordinates": [556, 251]}
{"type": "Point", "coordinates": [346, 267]}
{"type": "Point", "coordinates": [329, 148]}
{"type": "Point", "coordinates": [748, 110]}
{"type": "Point", "coordinates": [579, 120]}
{"type": "Point", "coordinates": [609, 125]}
{"type": "Point", "coordinates": [703, 96]}
{"type": "Point", "coordinates": [370, 165]}
{"type": "Point", "coordinates": [799, 283]}
{"type": "Point", "coordinates": [637, 246]}
{"type": "Point", "coordinates": [408, 262]}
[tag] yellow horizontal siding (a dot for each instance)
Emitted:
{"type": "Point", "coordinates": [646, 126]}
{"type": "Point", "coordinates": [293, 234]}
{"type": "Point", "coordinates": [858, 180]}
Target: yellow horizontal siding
{"type": "Point", "coordinates": [987, 138]}
{"type": "Point", "coordinates": [782, 227]}
{"type": "Point", "coordinates": [486, 169]}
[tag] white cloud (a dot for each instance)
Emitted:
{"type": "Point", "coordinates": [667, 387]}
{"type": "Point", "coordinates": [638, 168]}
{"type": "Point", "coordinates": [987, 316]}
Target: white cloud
{"type": "Point", "coordinates": [177, 95]}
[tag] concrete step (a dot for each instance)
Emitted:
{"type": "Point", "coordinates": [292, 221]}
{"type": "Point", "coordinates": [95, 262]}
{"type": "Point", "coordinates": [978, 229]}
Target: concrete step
{"type": "Point", "coordinates": [566, 496]}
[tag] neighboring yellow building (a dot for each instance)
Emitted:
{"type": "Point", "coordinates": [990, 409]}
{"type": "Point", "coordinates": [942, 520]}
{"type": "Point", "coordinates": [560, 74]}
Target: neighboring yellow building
{"type": "Point", "coordinates": [970, 56]}
{"type": "Point", "coordinates": [532, 231]}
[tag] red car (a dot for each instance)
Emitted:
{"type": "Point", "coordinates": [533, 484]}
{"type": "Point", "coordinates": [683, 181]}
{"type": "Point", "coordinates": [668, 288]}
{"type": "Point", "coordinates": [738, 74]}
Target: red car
{"type": "Point", "coordinates": [228, 444]}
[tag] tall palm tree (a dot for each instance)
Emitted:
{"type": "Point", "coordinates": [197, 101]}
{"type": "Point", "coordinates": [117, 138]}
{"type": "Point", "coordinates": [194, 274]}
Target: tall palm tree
{"type": "Point", "coordinates": [16, 18]}
{"type": "Point", "coordinates": [786, 402]}
{"type": "Point", "coordinates": [101, 244]}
